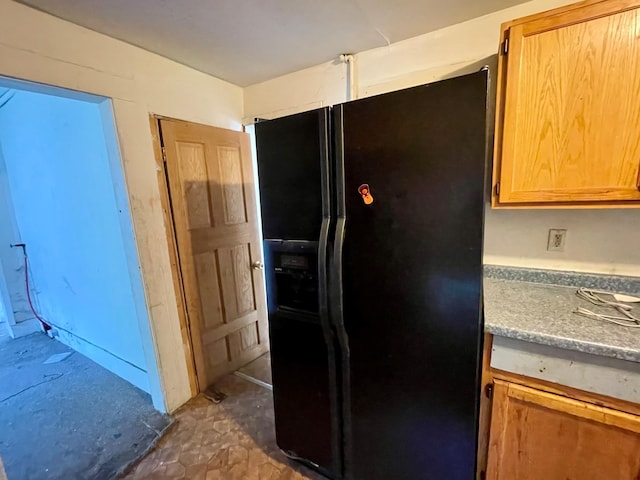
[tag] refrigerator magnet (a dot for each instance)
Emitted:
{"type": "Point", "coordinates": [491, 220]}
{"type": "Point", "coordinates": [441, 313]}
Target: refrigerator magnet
{"type": "Point", "coordinates": [365, 192]}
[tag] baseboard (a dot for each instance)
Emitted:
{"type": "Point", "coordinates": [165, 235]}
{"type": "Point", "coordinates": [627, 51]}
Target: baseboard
{"type": "Point", "coordinates": [134, 375]}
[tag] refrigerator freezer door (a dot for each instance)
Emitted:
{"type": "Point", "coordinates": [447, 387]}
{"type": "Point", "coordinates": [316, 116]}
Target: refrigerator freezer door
{"type": "Point", "coordinates": [293, 171]}
{"type": "Point", "coordinates": [411, 268]}
{"type": "Point", "coordinates": [290, 163]}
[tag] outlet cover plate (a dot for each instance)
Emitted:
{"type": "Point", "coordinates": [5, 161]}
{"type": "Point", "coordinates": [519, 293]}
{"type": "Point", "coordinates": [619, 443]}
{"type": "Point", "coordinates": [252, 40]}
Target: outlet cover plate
{"type": "Point", "coordinates": [557, 239]}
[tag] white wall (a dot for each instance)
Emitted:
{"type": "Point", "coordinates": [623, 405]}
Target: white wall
{"type": "Point", "coordinates": [6, 316]}
{"type": "Point", "coordinates": [600, 241]}
{"type": "Point", "coordinates": [41, 48]}
{"type": "Point", "coordinates": [10, 258]}
{"type": "Point", "coordinates": [12, 291]}
{"type": "Point", "coordinates": [64, 200]}
{"type": "Point", "coordinates": [411, 62]}
{"type": "Point", "coordinates": [597, 241]}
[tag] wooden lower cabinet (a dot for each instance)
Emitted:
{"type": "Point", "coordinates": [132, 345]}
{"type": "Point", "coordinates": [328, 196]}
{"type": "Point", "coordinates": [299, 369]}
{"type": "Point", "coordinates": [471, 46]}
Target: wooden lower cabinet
{"type": "Point", "coordinates": [536, 435]}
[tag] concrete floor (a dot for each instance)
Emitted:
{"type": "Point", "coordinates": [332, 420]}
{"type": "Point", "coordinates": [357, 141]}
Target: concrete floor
{"type": "Point", "coordinates": [232, 440]}
{"type": "Point", "coordinates": [68, 420]}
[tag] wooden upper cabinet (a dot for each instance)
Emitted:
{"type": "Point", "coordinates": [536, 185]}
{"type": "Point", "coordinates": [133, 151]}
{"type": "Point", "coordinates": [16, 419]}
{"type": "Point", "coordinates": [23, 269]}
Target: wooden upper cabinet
{"type": "Point", "coordinates": [568, 114]}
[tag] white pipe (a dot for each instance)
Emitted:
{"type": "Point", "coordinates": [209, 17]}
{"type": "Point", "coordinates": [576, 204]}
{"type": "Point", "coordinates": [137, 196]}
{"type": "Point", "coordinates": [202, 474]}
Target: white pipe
{"type": "Point", "coordinates": [352, 86]}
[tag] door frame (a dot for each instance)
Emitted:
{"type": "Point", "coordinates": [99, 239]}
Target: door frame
{"type": "Point", "coordinates": [172, 244]}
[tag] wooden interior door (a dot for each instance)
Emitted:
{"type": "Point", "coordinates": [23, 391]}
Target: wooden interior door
{"type": "Point", "coordinates": [214, 209]}
{"type": "Point", "coordinates": [571, 130]}
{"type": "Point", "coordinates": [537, 435]}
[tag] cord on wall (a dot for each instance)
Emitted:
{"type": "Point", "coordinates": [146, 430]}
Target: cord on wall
{"type": "Point", "coordinates": [46, 325]}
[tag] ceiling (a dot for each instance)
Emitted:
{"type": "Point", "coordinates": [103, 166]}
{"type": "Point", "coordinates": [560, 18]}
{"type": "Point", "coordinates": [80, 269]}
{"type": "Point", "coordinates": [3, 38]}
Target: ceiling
{"type": "Point", "coordinates": [249, 41]}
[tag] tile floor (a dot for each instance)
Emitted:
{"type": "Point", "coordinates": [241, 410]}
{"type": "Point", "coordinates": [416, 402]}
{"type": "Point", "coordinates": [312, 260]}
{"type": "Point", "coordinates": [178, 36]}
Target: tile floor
{"type": "Point", "coordinates": [259, 369]}
{"type": "Point", "coordinates": [233, 440]}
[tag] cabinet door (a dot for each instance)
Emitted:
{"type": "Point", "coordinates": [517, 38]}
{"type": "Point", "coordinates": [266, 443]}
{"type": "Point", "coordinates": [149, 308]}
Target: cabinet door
{"type": "Point", "coordinates": [541, 436]}
{"type": "Point", "coordinates": [571, 125]}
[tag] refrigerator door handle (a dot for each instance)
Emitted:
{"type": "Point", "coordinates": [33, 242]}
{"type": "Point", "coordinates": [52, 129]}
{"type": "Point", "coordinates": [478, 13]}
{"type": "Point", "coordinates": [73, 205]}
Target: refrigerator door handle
{"type": "Point", "coordinates": [335, 294]}
{"type": "Point", "coordinates": [323, 306]}
{"type": "Point", "coordinates": [323, 280]}
{"type": "Point", "coordinates": [323, 289]}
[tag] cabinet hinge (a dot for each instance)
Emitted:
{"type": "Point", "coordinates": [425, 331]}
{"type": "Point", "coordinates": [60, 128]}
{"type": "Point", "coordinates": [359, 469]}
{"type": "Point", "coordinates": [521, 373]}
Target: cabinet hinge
{"type": "Point", "coordinates": [504, 48]}
{"type": "Point", "coordinates": [497, 189]}
{"type": "Point", "coordinates": [164, 155]}
{"type": "Point", "coordinates": [488, 390]}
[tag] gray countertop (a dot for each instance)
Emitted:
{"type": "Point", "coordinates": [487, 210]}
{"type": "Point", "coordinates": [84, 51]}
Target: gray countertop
{"type": "Point", "coordinates": [527, 310]}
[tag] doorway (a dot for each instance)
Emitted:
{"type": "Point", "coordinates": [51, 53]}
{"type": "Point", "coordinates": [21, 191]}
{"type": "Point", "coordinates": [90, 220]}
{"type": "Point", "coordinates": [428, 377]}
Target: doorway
{"type": "Point", "coordinates": [74, 381]}
{"type": "Point", "coordinates": [214, 228]}
{"type": "Point", "coordinates": [213, 231]}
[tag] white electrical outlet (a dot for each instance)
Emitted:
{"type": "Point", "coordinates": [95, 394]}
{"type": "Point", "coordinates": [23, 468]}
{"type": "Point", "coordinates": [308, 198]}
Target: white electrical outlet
{"type": "Point", "coordinates": [557, 238]}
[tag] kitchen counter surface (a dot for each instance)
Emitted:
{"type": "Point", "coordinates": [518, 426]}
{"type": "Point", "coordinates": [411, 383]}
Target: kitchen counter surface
{"type": "Point", "coordinates": [525, 305]}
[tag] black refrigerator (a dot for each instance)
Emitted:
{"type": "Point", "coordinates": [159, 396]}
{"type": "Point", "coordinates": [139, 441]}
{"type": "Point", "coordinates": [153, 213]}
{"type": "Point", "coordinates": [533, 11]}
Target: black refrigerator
{"type": "Point", "coordinates": [372, 215]}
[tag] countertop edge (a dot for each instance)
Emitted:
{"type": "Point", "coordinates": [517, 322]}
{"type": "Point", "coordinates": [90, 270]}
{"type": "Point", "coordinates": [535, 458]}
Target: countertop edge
{"type": "Point", "coordinates": [564, 343]}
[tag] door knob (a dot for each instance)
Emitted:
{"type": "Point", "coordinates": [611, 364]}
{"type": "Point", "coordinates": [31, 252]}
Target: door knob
{"type": "Point", "coordinates": [257, 265]}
